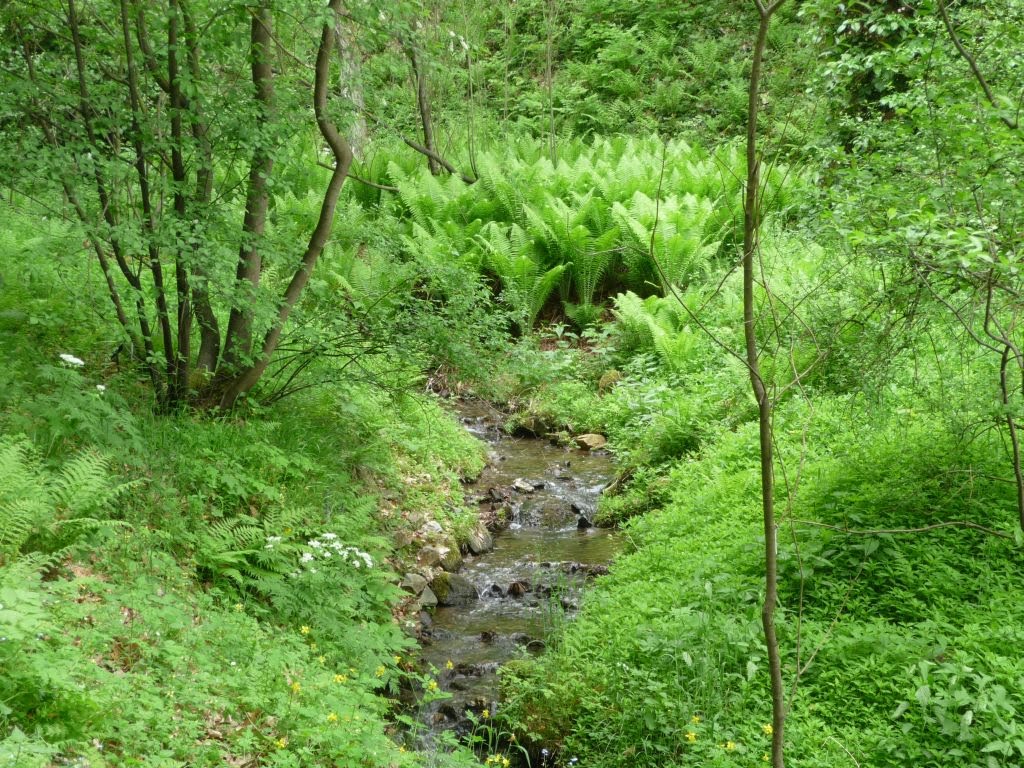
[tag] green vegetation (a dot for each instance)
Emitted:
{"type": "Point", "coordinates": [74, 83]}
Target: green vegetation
{"type": "Point", "coordinates": [222, 373]}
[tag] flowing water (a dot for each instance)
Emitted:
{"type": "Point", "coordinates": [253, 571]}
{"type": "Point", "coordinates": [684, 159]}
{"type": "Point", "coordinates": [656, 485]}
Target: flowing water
{"type": "Point", "coordinates": [533, 578]}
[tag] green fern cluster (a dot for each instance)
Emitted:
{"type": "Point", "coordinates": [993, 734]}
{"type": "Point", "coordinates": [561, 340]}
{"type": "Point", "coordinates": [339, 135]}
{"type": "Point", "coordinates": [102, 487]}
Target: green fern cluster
{"type": "Point", "coordinates": [43, 512]}
{"type": "Point", "coordinates": [612, 214]}
{"type": "Point", "coordinates": [659, 325]}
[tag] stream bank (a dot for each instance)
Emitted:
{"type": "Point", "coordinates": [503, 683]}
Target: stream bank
{"type": "Point", "coordinates": [524, 569]}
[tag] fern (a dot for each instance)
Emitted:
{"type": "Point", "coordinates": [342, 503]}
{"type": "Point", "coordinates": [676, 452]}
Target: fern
{"type": "Point", "coordinates": [526, 285]}
{"type": "Point", "coordinates": [43, 513]}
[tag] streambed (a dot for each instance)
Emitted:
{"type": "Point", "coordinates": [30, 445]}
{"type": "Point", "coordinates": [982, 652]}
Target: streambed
{"type": "Point", "coordinates": [544, 554]}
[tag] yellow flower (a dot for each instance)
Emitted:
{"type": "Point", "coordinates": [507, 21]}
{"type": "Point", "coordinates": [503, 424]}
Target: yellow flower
{"type": "Point", "coordinates": [340, 678]}
{"type": "Point", "coordinates": [486, 713]}
{"type": "Point", "coordinates": [296, 687]}
{"type": "Point", "coordinates": [304, 629]}
{"type": "Point", "coordinates": [312, 646]}
{"type": "Point", "coordinates": [765, 757]}
{"type": "Point", "coordinates": [401, 749]}
{"type": "Point", "coordinates": [432, 685]}
{"type": "Point", "coordinates": [730, 746]}
{"type": "Point", "coordinates": [691, 736]}
{"type": "Point", "coordinates": [281, 743]}
{"type": "Point", "coordinates": [380, 671]}
{"type": "Point", "coordinates": [398, 659]}
{"type": "Point", "coordinates": [239, 606]}
{"type": "Point", "coordinates": [448, 664]}
{"type": "Point", "coordinates": [332, 718]}
{"type": "Point", "coordinates": [321, 659]}
{"type": "Point", "coordinates": [695, 719]}
{"type": "Point", "coordinates": [504, 762]}
{"type": "Point", "coordinates": [767, 729]}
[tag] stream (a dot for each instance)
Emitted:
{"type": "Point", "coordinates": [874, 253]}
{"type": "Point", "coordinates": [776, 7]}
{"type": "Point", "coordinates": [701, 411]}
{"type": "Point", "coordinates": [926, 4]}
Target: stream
{"type": "Point", "coordinates": [532, 579]}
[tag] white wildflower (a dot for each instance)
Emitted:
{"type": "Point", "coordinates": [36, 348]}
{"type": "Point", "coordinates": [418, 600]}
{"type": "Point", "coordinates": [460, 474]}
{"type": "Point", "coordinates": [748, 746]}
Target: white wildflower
{"type": "Point", "coordinates": [74, 362]}
{"type": "Point", "coordinates": [328, 536]}
{"type": "Point", "coordinates": [100, 388]}
{"type": "Point", "coordinates": [307, 557]}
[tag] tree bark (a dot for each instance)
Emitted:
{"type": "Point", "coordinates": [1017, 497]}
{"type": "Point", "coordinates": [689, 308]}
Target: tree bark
{"type": "Point", "coordinates": [350, 83]}
{"type": "Point", "coordinates": [321, 233]}
{"type": "Point", "coordinates": [423, 103]}
{"type": "Point", "coordinates": [148, 216]}
{"type": "Point", "coordinates": [209, 328]}
{"type": "Point", "coordinates": [751, 232]}
{"type": "Point", "coordinates": [108, 208]}
{"type": "Point", "coordinates": [238, 344]}
{"type": "Point", "coordinates": [183, 359]}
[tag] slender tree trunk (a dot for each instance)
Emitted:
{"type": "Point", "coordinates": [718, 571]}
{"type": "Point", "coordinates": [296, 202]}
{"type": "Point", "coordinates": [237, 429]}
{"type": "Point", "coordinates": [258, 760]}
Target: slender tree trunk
{"type": "Point", "coordinates": [238, 345]}
{"type": "Point", "coordinates": [108, 208]}
{"type": "Point", "coordinates": [184, 299]}
{"type": "Point", "coordinates": [209, 328]}
{"type": "Point", "coordinates": [321, 233]}
{"type": "Point", "coordinates": [549, 75]}
{"type": "Point", "coordinates": [148, 215]}
{"type": "Point", "coordinates": [423, 102]}
{"type": "Point", "coordinates": [350, 83]}
{"type": "Point", "coordinates": [751, 231]}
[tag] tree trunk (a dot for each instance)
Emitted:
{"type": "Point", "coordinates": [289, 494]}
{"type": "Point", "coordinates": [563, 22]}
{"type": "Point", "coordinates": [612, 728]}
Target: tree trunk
{"type": "Point", "coordinates": [321, 233]}
{"type": "Point", "coordinates": [423, 102]}
{"type": "Point", "coordinates": [209, 328]}
{"type": "Point", "coordinates": [238, 344]}
{"type": "Point", "coordinates": [183, 359]}
{"type": "Point", "coordinates": [109, 211]}
{"type": "Point", "coordinates": [350, 83]}
{"type": "Point", "coordinates": [751, 232]}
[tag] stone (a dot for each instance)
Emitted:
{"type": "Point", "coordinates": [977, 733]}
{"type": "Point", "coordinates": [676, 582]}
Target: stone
{"type": "Point", "coordinates": [429, 556]}
{"type": "Point", "coordinates": [582, 524]}
{"type": "Point", "coordinates": [451, 559]}
{"type": "Point", "coordinates": [427, 600]}
{"type": "Point", "coordinates": [523, 486]}
{"type": "Point", "coordinates": [453, 589]}
{"type": "Point", "coordinates": [432, 527]}
{"type": "Point", "coordinates": [403, 539]}
{"type": "Point", "coordinates": [413, 583]}
{"type": "Point", "coordinates": [518, 589]}
{"type": "Point", "coordinates": [591, 441]}
{"type": "Point", "coordinates": [480, 541]}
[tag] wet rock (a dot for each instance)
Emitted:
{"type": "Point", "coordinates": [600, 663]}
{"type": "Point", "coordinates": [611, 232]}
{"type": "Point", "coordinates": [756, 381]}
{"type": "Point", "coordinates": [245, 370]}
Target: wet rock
{"type": "Point", "coordinates": [480, 541]}
{"type": "Point", "coordinates": [563, 474]}
{"type": "Point", "coordinates": [523, 486]}
{"type": "Point", "coordinates": [498, 494]}
{"type": "Point", "coordinates": [426, 620]}
{"type": "Point", "coordinates": [582, 524]}
{"type": "Point", "coordinates": [517, 589]}
{"type": "Point", "coordinates": [403, 539]}
{"type": "Point", "coordinates": [587, 569]}
{"type": "Point", "coordinates": [535, 646]}
{"type": "Point", "coordinates": [413, 583]}
{"type": "Point", "coordinates": [488, 636]}
{"type": "Point", "coordinates": [453, 589]}
{"type": "Point", "coordinates": [495, 591]}
{"type": "Point", "coordinates": [591, 441]}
